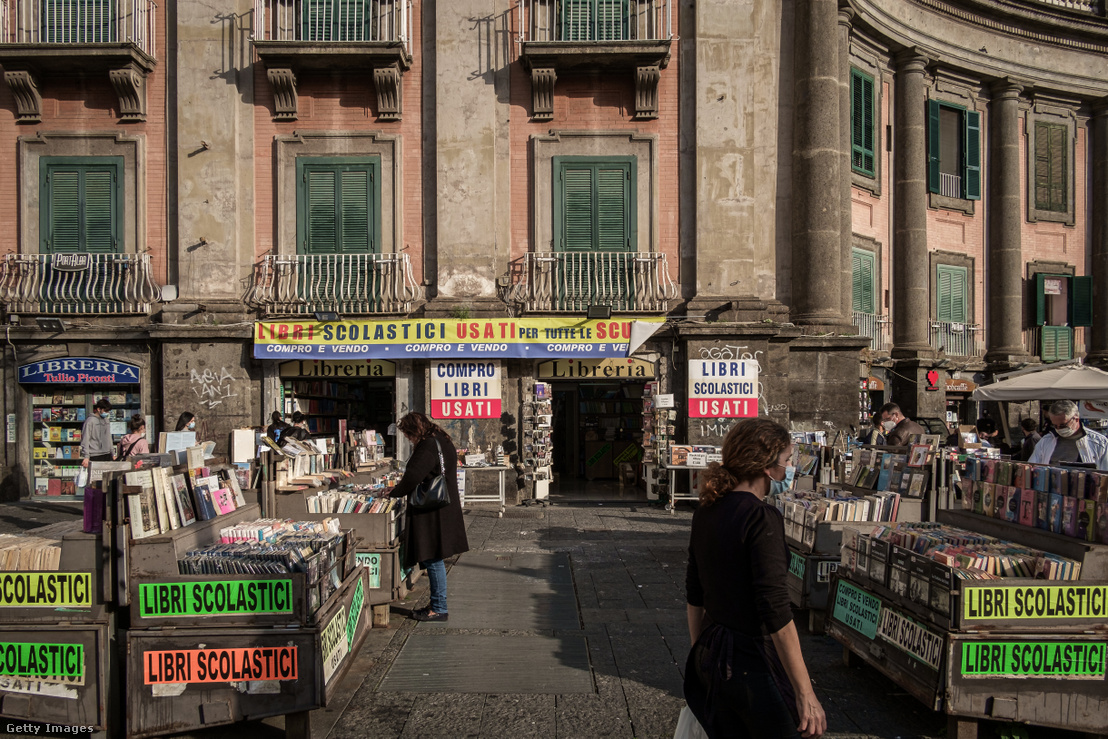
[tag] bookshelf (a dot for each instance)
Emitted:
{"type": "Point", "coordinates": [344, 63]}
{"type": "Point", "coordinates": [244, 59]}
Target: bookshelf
{"type": "Point", "coordinates": [612, 427]}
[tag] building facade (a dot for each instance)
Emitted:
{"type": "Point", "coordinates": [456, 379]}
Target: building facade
{"type": "Point", "coordinates": [846, 196]}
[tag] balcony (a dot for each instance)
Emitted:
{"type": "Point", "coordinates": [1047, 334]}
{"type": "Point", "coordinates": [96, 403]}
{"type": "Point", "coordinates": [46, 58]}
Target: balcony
{"type": "Point", "coordinates": [957, 339]}
{"type": "Point", "coordinates": [78, 284]}
{"type": "Point", "coordinates": [569, 282]}
{"type": "Point", "coordinates": [876, 327]}
{"type": "Point", "coordinates": [1092, 7]}
{"type": "Point", "coordinates": [296, 36]}
{"type": "Point", "coordinates": [351, 284]}
{"type": "Point", "coordinates": [556, 36]}
{"type": "Point", "coordinates": [40, 38]}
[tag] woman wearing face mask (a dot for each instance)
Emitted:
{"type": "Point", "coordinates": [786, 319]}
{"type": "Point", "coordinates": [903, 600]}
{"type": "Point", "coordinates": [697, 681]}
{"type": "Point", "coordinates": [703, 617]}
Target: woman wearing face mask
{"type": "Point", "coordinates": [745, 675]}
{"type": "Point", "coordinates": [186, 422]}
{"type": "Point", "coordinates": [1069, 441]}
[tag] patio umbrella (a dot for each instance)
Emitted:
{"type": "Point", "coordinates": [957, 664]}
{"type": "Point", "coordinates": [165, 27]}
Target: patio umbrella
{"type": "Point", "coordinates": [1073, 382]}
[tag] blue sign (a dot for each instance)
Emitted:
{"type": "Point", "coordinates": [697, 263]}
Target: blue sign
{"type": "Point", "coordinates": [79, 371]}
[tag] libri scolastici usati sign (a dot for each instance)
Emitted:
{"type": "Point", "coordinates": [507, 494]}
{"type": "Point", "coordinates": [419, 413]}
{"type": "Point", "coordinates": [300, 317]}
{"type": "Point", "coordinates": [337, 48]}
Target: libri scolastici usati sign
{"type": "Point", "coordinates": [490, 338]}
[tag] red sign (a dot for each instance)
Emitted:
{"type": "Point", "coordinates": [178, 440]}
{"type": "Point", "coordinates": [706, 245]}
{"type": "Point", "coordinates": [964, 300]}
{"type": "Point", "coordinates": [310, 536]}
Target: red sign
{"type": "Point", "coordinates": [219, 665]}
{"type": "Point", "coordinates": [932, 380]}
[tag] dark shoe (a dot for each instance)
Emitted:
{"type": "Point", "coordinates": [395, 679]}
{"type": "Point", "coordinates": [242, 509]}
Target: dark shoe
{"type": "Point", "coordinates": [417, 612]}
{"type": "Point", "coordinates": [430, 616]}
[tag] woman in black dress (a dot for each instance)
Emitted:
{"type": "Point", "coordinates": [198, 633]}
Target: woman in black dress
{"type": "Point", "coordinates": [431, 536]}
{"type": "Point", "coordinates": [745, 675]}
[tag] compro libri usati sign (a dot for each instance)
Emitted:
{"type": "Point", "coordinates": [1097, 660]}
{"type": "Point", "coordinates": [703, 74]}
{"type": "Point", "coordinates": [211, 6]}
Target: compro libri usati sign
{"type": "Point", "coordinates": [465, 388]}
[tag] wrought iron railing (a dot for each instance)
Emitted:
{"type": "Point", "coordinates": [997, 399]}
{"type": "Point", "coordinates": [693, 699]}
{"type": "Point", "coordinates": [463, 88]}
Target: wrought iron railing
{"type": "Point", "coordinates": [355, 284]}
{"type": "Point", "coordinates": [77, 284]}
{"type": "Point", "coordinates": [578, 21]}
{"type": "Point", "coordinates": [950, 185]}
{"type": "Point", "coordinates": [570, 282]}
{"type": "Point", "coordinates": [79, 22]}
{"type": "Point", "coordinates": [334, 21]}
{"type": "Point", "coordinates": [1096, 7]}
{"type": "Point", "coordinates": [957, 339]}
{"type": "Point", "coordinates": [876, 327]}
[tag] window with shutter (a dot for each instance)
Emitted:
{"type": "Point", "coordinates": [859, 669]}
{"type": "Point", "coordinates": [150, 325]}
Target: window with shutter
{"type": "Point", "coordinates": [864, 274]}
{"type": "Point", "coordinates": [81, 204]}
{"type": "Point", "coordinates": [594, 20]}
{"type": "Point", "coordinates": [1050, 167]}
{"type": "Point", "coordinates": [336, 20]}
{"type": "Point", "coordinates": [950, 293]}
{"type": "Point", "coordinates": [78, 21]}
{"type": "Point", "coordinates": [861, 122]}
{"type": "Point", "coordinates": [594, 224]}
{"type": "Point", "coordinates": [338, 205]}
{"type": "Point", "coordinates": [953, 151]}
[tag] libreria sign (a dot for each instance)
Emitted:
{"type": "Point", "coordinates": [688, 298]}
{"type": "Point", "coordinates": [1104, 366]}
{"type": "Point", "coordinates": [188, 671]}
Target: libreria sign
{"type": "Point", "coordinates": [79, 370]}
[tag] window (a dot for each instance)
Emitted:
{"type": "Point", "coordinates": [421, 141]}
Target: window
{"type": "Point", "coordinates": [953, 151]}
{"type": "Point", "coordinates": [336, 20]}
{"type": "Point", "coordinates": [338, 205]}
{"type": "Point", "coordinates": [1062, 302]}
{"type": "Point", "coordinates": [78, 21]}
{"type": "Point", "coordinates": [1050, 167]}
{"type": "Point", "coordinates": [864, 274]}
{"type": "Point", "coordinates": [594, 20]}
{"type": "Point", "coordinates": [950, 293]}
{"type": "Point", "coordinates": [81, 204]}
{"type": "Point", "coordinates": [861, 122]}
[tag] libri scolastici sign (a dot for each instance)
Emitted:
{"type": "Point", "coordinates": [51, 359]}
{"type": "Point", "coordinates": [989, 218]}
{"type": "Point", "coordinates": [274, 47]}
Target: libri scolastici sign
{"type": "Point", "coordinates": [492, 338]}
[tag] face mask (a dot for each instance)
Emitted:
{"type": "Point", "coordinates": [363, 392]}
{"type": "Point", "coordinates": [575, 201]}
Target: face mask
{"type": "Point", "coordinates": [777, 487]}
{"type": "Point", "coordinates": [888, 425]}
{"type": "Point", "coordinates": [1065, 432]}
{"type": "Point", "coordinates": [192, 425]}
{"type": "Point", "coordinates": [104, 414]}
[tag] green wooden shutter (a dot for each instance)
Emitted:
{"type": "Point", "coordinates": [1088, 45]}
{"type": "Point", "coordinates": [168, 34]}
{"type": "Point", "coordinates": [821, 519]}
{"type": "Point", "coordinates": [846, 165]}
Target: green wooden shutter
{"type": "Point", "coordinates": [863, 273]}
{"type": "Point", "coordinates": [934, 145]}
{"type": "Point", "coordinates": [1056, 344]}
{"type": "Point", "coordinates": [1050, 167]}
{"type": "Point", "coordinates": [971, 173]}
{"type": "Point", "coordinates": [861, 122]}
{"type": "Point", "coordinates": [351, 21]}
{"type": "Point", "coordinates": [1040, 299]}
{"type": "Point", "coordinates": [578, 21]}
{"type": "Point", "coordinates": [613, 209]}
{"type": "Point", "coordinates": [577, 209]}
{"type": "Point", "coordinates": [950, 293]}
{"type": "Point", "coordinates": [1081, 301]}
{"type": "Point", "coordinates": [78, 21]}
{"type": "Point", "coordinates": [82, 206]}
{"type": "Point", "coordinates": [611, 20]}
{"type": "Point", "coordinates": [338, 205]}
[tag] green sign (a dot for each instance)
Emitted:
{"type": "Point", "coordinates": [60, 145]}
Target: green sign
{"type": "Point", "coordinates": [796, 564]}
{"type": "Point", "coordinates": [372, 560]}
{"type": "Point", "coordinates": [214, 598]}
{"type": "Point", "coordinates": [594, 459]}
{"type": "Point", "coordinates": [1065, 660]}
{"type": "Point", "coordinates": [355, 613]}
{"type": "Point", "coordinates": [49, 662]}
{"type": "Point", "coordinates": [857, 609]}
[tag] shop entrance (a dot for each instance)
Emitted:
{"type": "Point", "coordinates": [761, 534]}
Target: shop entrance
{"type": "Point", "coordinates": [597, 426]}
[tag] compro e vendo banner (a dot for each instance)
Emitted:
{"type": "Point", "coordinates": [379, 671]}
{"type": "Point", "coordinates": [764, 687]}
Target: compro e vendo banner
{"type": "Point", "coordinates": [723, 388]}
{"type": "Point", "coordinates": [465, 388]}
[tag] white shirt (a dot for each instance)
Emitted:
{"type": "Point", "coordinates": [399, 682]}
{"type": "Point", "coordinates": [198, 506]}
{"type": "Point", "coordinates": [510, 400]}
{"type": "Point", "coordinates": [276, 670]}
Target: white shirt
{"type": "Point", "coordinates": [1093, 448]}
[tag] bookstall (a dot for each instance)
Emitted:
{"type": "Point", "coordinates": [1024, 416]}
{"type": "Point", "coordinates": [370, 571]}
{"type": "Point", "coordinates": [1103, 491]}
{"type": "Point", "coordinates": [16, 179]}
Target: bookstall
{"type": "Point", "coordinates": [58, 662]}
{"type": "Point", "coordinates": [984, 617]}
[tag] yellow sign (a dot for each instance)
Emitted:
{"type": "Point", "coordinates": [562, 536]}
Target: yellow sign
{"type": "Point", "coordinates": [1035, 601]}
{"type": "Point", "coordinates": [631, 368]}
{"type": "Point", "coordinates": [46, 590]}
{"type": "Point", "coordinates": [338, 368]}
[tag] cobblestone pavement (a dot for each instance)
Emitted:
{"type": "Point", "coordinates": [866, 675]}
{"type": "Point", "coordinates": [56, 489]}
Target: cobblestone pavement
{"type": "Point", "coordinates": [628, 567]}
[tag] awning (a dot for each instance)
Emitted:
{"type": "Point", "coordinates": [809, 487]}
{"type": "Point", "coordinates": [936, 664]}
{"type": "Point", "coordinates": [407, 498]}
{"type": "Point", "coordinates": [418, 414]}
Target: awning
{"type": "Point", "coordinates": [1073, 382]}
{"type": "Point", "coordinates": [489, 338]}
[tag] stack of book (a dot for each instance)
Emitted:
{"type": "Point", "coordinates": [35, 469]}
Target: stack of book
{"type": "Point", "coordinates": [37, 550]}
{"type": "Point", "coordinates": [338, 501]}
{"type": "Point", "coordinates": [1073, 502]}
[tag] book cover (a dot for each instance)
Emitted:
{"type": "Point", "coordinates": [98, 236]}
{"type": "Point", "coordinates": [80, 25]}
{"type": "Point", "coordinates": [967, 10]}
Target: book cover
{"type": "Point", "coordinates": [204, 505]}
{"type": "Point", "coordinates": [988, 466]}
{"type": "Point", "coordinates": [988, 500]}
{"type": "Point", "coordinates": [1055, 514]}
{"type": "Point", "coordinates": [1058, 479]}
{"type": "Point", "coordinates": [164, 491]}
{"type": "Point", "coordinates": [1004, 473]}
{"type": "Point", "coordinates": [1027, 507]}
{"type": "Point", "coordinates": [224, 500]}
{"type": "Point", "coordinates": [181, 496]}
{"type": "Point", "coordinates": [1086, 520]}
{"type": "Point", "coordinates": [54, 486]}
{"type": "Point", "coordinates": [1040, 478]}
{"type": "Point", "coordinates": [232, 482]}
{"type": "Point", "coordinates": [1042, 510]}
{"type": "Point", "coordinates": [1102, 511]}
{"type": "Point", "coordinates": [979, 496]}
{"type": "Point", "coordinates": [1069, 516]}
{"type": "Point", "coordinates": [915, 486]}
{"type": "Point", "coordinates": [143, 511]}
{"type": "Point", "coordinates": [1000, 501]}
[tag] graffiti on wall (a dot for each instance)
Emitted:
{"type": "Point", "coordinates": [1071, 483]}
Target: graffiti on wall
{"type": "Point", "coordinates": [212, 387]}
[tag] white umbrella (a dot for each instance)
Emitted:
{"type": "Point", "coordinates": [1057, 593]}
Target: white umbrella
{"type": "Point", "coordinates": [1073, 382]}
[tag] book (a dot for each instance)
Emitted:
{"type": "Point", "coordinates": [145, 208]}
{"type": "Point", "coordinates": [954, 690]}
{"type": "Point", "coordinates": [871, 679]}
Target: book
{"type": "Point", "coordinates": [232, 483]}
{"type": "Point", "coordinates": [1069, 516]}
{"type": "Point", "coordinates": [204, 504]}
{"type": "Point", "coordinates": [1027, 507]}
{"type": "Point", "coordinates": [988, 499]}
{"type": "Point", "coordinates": [194, 457]}
{"type": "Point", "coordinates": [181, 496]}
{"type": "Point", "coordinates": [1086, 520]}
{"type": "Point", "coordinates": [1055, 514]}
{"type": "Point", "coordinates": [1000, 497]}
{"type": "Point", "coordinates": [143, 511]}
{"type": "Point", "coordinates": [164, 491]}
{"type": "Point", "coordinates": [224, 500]}
{"type": "Point", "coordinates": [1042, 510]}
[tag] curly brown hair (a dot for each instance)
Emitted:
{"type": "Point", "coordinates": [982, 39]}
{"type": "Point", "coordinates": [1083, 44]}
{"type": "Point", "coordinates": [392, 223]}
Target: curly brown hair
{"type": "Point", "coordinates": [751, 446]}
{"type": "Point", "coordinates": [418, 425]}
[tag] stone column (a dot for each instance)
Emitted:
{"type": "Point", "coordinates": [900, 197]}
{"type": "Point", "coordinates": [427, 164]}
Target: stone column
{"type": "Point", "coordinates": [817, 202]}
{"type": "Point", "coordinates": [1005, 219]}
{"type": "Point", "coordinates": [911, 286]}
{"type": "Point", "coordinates": [1097, 336]}
{"type": "Point", "coordinates": [846, 230]}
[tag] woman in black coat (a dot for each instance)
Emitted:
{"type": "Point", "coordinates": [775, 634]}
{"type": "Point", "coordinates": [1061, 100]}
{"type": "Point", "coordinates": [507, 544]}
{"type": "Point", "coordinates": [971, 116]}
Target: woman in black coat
{"type": "Point", "coordinates": [431, 536]}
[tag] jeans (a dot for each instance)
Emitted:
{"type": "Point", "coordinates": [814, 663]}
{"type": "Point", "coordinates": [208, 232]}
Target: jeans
{"type": "Point", "coordinates": [436, 578]}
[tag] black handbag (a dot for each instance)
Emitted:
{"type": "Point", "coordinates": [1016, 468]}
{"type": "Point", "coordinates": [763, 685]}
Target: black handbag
{"type": "Point", "coordinates": [431, 494]}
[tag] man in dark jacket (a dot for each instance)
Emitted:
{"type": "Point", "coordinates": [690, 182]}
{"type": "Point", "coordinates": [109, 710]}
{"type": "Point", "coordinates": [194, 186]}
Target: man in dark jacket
{"type": "Point", "coordinates": [1031, 437]}
{"type": "Point", "coordinates": [897, 427]}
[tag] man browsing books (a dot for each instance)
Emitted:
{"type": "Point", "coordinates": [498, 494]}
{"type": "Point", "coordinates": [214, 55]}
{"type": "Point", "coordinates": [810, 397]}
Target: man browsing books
{"type": "Point", "coordinates": [1069, 441]}
{"type": "Point", "coordinates": [96, 434]}
{"type": "Point", "coordinates": [897, 427]}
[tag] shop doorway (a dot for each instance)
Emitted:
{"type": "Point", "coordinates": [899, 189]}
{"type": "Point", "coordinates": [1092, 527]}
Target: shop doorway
{"type": "Point", "coordinates": [597, 426]}
{"type": "Point", "coordinates": [339, 405]}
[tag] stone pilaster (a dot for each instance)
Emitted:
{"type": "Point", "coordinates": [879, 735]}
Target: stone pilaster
{"type": "Point", "coordinates": [846, 18]}
{"type": "Point", "coordinates": [1005, 219]}
{"type": "Point", "coordinates": [817, 188]}
{"type": "Point", "coordinates": [910, 267]}
{"type": "Point", "coordinates": [1097, 335]}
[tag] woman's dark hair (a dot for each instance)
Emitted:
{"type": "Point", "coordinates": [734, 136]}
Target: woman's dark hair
{"type": "Point", "coordinates": [137, 422]}
{"type": "Point", "coordinates": [183, 421]}
{"type": "Point", "coordinates": [276, 417]}
{"type": "Point", "coordinates": [875, 420]}
{"type": "Point", "coordinates": [417, 425]}
{"type": "Point", "coordinates": [1028, 424]}
{"type": "Point", "coordinates": [751, 446]}
{"type": "Point", "coordinates": [297, 417]}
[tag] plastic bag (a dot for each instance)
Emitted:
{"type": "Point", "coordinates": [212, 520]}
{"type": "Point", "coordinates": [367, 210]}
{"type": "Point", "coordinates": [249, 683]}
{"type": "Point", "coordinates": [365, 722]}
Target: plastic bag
{"type": "Point", "coordinates": [82, 478]}
{"type": "Point", "coordinates": [688, 727]}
